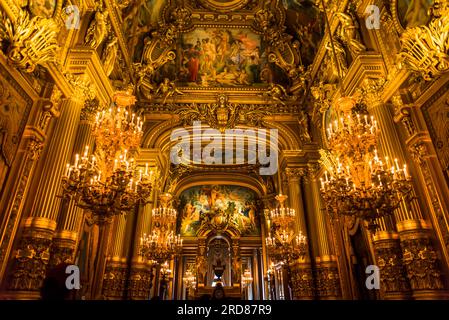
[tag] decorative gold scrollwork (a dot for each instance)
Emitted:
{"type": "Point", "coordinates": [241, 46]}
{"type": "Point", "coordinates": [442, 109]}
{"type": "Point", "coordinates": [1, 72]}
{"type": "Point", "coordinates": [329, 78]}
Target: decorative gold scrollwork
{"type": "Point", "coordinates": [29, 41]}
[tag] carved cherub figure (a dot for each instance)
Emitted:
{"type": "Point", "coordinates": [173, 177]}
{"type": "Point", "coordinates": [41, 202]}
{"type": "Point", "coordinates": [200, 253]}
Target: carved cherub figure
{"type": "Point", "coordinates": [277, 93]}
{"type": "Point", "coordinates": [167, 89]}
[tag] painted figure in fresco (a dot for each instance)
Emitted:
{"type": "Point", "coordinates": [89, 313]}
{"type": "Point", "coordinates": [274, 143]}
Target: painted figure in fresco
{"type": "Point", "coordinates": [416, 14]}
{"type": "Point", "coordinates": [221, 57]}
{"type": "Point", "coordinates": [217, 207]}
{"type": "Point", "coordinates": [193, 63]}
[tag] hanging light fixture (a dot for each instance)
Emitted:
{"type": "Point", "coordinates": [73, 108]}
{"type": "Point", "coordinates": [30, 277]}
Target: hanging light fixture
{"type": "Point", "coordinates": [361, 184]}
{"type": "Point", "coordinates": [284, 245]}
{"type": "Point", "coordinates": [109, 182]}
{"type": "Point", "coordinates": [162, 245]}
{"type": "Point", "coordinates": [247, 278]}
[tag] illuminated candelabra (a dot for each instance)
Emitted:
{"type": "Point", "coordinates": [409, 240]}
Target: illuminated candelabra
{"type": "Point", "coordinates": [360, 183]}
{"type": "Point", "coordinates": [162, 244]}
{"type": "Point", "coordinates": [106, 194]}
{"type": "Point", "coordinates": [189, 279]}
{"type": "Point", "coordinates": [117, 127]}
{"type": "Point", "coordinates": [108, 182]}
{"type": "Point", "coordinates": [284, 244]}
{"type": "Point", "coordinates": [247, 278]}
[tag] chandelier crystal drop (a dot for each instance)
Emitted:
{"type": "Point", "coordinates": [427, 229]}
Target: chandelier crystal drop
{"type": "Point", "coordinates": [361, 183]}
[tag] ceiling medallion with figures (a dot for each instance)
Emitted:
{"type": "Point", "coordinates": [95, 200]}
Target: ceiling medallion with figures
{"type": "Point", "coordinates": [224, 5]}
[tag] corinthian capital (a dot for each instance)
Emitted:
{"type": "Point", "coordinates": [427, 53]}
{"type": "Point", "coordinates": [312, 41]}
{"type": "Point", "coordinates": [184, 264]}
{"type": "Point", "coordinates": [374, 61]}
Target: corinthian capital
{"type": "Point", "coordinates": [83, 89]}
{"type": "Point", "coordinates": [372, 90]}
{"type": "Point", "coordinates": [295, 174]}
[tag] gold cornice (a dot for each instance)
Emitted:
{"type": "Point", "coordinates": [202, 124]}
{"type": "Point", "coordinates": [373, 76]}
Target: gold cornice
{"type": "Point", "coordinates": [85, 60]}
{"type": "Point", "coordinates": [430, 92]}
{"type": "Point", "coordinates": [60, 81]}
{"type": "Point", "coordinates": [393, 84]}
{"type": "Point", "coordinates": [67, 235]}
{"type": "Point", "coordinates": [366, 65]}
{"type": "Point", "coordinates": [385, 235]}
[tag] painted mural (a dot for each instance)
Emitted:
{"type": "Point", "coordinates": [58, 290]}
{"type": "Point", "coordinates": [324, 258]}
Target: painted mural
{"type": "Point", "coordinates": [218, 207]}
{"type": "Point", "coordinates": [413, 13]}
{"type": "Point", "coordinates": [222, 57]}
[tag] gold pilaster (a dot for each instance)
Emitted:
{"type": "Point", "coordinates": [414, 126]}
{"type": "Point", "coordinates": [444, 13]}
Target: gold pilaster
{"type": "Point", "coordinates": [327, 273]}
{"type": "Point", "coordinates": [33, 253]}
{"type": "Point", "coordinates": [414, 237]}
{"type": "Point", "coordinates": [301, 275]}
{"type": "Point", "coordinates": [71, 217]}
{"type": "Point", "coordinates": [140, 281]}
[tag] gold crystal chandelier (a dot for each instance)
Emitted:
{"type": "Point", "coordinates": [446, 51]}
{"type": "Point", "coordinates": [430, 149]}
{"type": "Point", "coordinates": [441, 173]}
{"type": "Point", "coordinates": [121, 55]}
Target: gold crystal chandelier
{"type": "Point", "coordinates": [247, 278]}
{"type": "Point", "coordinates": [118, 127]}
{"type": "Point", "coordinates": [361, 184]}
{"type": "Point", "coordinates": [106, 195]}
{"type": "Point", "coordinates": [425, 49]}
{"type": "Point", "coordinates": [189, 279]}
{"type": "Point", "coordinates": [284, 244]}
{"type": "Point", "coordinates": [109, 182]}
{"type": "Point", "coordinates": [162, 245]}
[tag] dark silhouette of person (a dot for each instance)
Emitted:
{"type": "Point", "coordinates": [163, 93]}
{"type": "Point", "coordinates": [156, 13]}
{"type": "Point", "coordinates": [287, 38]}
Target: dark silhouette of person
{"type": "Point", "coordinates": [54, 285]}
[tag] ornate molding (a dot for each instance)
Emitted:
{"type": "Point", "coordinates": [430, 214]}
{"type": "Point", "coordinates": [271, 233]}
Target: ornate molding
{"type": "Point", "coordinates": [392, 272]}
{"type": "Point", "coordinates": [31, 41]}
{"type": "Point", "coordinates": [223, 115]}
{"type": "Point", "coordinates": [420, 261]}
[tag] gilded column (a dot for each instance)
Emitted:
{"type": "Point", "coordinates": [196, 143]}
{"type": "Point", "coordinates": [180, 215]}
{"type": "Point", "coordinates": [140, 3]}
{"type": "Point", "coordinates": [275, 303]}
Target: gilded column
{"type": "Point", "coordinates": [71, 217]}
{"type": "Point", "coordinates": [33, 252]}
{"type": "Point", "coordinates": [141, 276]}
{"type": "Point", "coordinates": [114, 280]}
{"type": "Point", "coordinates": [301, 271]}
{"type": "Point", "coordinates": [327, 275]}
{"type": "Point", "coordinates": [388, 254]}
{"type": "Point", "coordinates": [413, 229]}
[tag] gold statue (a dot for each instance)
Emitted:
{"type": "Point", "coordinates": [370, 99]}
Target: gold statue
{"type": "Point", "coordinates": [98, 29]}
{"type": "Point", "coordinates": [339, 62]}
{"type": "Point", "coordinates": [144, 86]}
{"type": "Point", "coordinates": [110, 55]}
{"type": "Point", "coordinates": [167, 89]}
{"type": "Point", "coordinates": [277, 93]}
{"type": "Point", "coordinates": [349, 34]}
